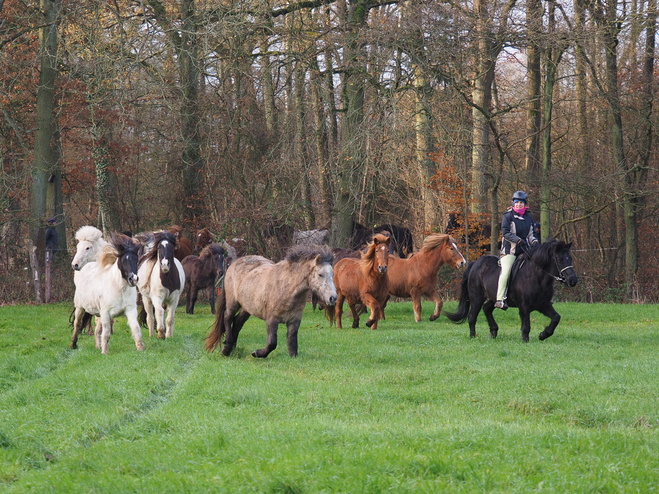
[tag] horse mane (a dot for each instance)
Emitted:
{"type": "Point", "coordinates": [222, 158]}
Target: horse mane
{"type": "Point", "coordinates": [432, 241]}
{"type": "Point", "coordinates": [368, 257]}
{"type": "Point", "coordinates": [89, 233]}
{"type": "Point", "coordinates": [211, 250]}
{"type": "Point", "coordinates": [303, 253]}
{"type": "Point", "coordinates": [114, 249]}
{"type": "Point", "coordinates": [158, 237]}
{"type": "Point", "coordinates": [542, 254]}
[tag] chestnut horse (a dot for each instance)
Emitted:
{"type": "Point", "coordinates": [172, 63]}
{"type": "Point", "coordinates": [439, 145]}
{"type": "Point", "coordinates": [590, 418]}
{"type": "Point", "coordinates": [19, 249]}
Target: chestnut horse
{"type": "Point", "coordinates": [416, 276]}
{"type": "Point", "coordinates": [363, 281]}
{"type": "Point", "coordinates": [276, 293]}
{"type": "Point", "coordinates": [183, 246]}
{"type": "Point", "coordinates": [204, 238]}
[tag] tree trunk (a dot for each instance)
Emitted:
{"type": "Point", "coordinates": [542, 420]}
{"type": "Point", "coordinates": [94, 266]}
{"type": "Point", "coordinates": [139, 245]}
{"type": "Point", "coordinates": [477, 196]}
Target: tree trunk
{"type": "Point", "coordinates": [45, 156]}
{"type": "Point", "coordinates": [351, 164]}
{"type": "Point", "coordinates": [534, 14]}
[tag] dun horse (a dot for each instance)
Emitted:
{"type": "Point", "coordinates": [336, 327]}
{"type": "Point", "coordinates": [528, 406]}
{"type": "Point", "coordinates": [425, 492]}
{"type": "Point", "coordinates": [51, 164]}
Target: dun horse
{"type": "Point", "coordinates": [416, 276]}
{"type": "Point", "coordinates": [161, 282]}
{"type": "Point", "coordinates": [106, 289]}
{"type": "Point", "coordinates": [203, 272]}
{"type": "Point", "coordinates": [276, 293]}
{"type": "Point", "coordinates": [531, 287]}
{"type": "Point", "coordinates": [363, 281]}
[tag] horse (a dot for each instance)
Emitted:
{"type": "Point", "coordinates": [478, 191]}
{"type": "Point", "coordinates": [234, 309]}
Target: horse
{"type": "Point", "coordinates": [531, 287]}
{"type": "Point", "coordinates": [203, 272]}
{"type": "Point", "coordinates": [106, 289]}
{"type": "Point", "coordinates": [204, 239]}
{"type": "Point", "coordinates": [90, 242]}
{"type": "Point", "coordinates": [276, 293]}
{"type": "Point", "coordinates": [416, 276]}
{"type": "Point", "coordinates": [183, 246]}
{"type": "Point", "coordinates": [318, 237]}
{"type": "Point", "coordinates": [161, 288]}
{"type": "Point", "coordinates": [363, 281]}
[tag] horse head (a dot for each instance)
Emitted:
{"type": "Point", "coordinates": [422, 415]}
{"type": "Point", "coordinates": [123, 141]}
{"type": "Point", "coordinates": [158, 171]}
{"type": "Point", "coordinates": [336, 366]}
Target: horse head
{"type": "Point", "coordinates": [165, 243]}
{"type": "Point", "coordinates": [90, 241]}
{"type": "Point", "coordinates": [377, 254]}
{"type": "Point", "coordinates": [204, 238]}
{"type": "Point", "coordinates": [563, 259]}
{"type": "Point", "coordinates": [321, 277]}
{"type": "Point", "coordinates": [455, 258]}
{"type": "Point", "coordinates": [126, 258]}
{"type": "Point", "coordinates": [219, 258]}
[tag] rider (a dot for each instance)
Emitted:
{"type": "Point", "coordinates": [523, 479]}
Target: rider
{"type": "Point", "coordinates": [517, 231]}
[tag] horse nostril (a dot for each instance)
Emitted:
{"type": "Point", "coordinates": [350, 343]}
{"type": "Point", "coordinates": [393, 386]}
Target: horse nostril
{"type": "Point", "coordinates": [332, 300]}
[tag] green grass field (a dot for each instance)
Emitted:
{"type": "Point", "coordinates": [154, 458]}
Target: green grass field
{"type": "Point", "coordinates": [407, 408]}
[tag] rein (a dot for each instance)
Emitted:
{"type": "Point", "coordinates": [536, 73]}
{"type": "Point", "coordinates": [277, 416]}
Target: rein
{"type": "Point", "coordinates": [558, 268]}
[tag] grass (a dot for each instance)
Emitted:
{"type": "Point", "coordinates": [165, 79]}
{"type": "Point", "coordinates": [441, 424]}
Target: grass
{"type": "Point", "coordinates": [407, 408]}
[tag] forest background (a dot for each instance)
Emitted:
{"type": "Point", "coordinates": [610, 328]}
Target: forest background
{"type": "Point", "coordinates": [254, 118]}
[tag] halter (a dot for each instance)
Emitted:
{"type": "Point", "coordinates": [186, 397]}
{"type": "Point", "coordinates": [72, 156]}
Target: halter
{"type": "Point", "coordinates": [558, 268]}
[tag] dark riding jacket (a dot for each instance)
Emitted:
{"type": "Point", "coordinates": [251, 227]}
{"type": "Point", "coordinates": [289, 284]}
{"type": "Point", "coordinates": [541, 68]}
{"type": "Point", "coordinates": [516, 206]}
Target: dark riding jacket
{"type": "Point", "coordinates": [515, 228]}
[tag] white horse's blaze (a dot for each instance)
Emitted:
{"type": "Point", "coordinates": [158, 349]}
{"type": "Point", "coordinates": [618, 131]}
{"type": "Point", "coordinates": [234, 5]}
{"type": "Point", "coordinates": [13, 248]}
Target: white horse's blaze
{"type": "Point", "coordinates": [164, 262]}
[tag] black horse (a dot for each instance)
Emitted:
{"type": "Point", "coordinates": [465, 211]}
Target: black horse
{"type": "Point", "coordinates": [531, 287]}
{"type": "Point", "coordinates": [401, 238]}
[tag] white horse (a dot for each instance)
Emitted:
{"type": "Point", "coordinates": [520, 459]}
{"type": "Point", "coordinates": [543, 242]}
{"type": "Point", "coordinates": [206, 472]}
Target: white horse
{"type": "Point", "coordinates": [90, 242]}
{"type": "Point", "coordinates": [162, 286]}
{"type": "Point", "coordinates": [106, 289]}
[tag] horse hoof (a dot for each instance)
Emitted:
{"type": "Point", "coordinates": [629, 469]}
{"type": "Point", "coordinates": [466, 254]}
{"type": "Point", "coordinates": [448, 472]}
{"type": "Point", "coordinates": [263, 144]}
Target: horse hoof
{"type": "Point", "coordinates": [226, 351]}
{"type": "Point", "coordinates": [74, 346]}
{"type": "Point", "coordinates": [140, 347]}
{"type": "Point", "coordinates": [543, 336]}
{"type": "Point", "coordinates": [369, 323]}
{"type": "Point", "coordinates": [493, 334]}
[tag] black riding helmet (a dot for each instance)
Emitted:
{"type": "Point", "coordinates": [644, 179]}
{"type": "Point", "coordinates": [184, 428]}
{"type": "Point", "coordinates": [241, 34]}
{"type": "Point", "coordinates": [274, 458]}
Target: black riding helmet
{"type": "Point", "coordinates": [520, 195]}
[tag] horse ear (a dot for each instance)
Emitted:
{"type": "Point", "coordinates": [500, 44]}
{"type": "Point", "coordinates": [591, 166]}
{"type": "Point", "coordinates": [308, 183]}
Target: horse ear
{"type": "Point", "coordinates": [319, 259]}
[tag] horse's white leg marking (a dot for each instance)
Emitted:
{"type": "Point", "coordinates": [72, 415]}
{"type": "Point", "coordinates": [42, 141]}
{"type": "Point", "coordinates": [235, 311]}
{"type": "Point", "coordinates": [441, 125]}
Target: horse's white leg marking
{"type": "Point", "coordinates": [160, 316]}
{"type": "Point", "coordinates": [98, 329]}
{"type": "Point", "coordinates": [148, 308]}
{"type": "Point", "coordinates": [106, 323]}
{"type": "Point", "coordinates": [171, 315]}
{"type": "Point", "coordinates": [131, 317]}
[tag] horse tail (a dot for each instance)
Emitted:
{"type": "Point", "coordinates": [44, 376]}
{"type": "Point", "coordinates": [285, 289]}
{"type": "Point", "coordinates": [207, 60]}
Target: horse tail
{"type": "Point", "coordinates": [215, 336]}
{"type": "Point", "coordinates": [461, 314]}
{"type": "Point", "coordinates": [141, 318]}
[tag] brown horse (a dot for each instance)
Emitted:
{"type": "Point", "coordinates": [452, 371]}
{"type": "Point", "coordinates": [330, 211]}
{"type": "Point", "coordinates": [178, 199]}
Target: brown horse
{"type": "Point", "coordinates": [183, 246]}
{"type": "Point", "coordinates": [204, 238]}
{"type": "Point", "coordinates": [276, 293]}
{"type": "Point", "coordinates": [202, 272]}
{"type": "Point", "coordinates": [364, 281]}
{"type": "Point", "coordinates": [416, 276]}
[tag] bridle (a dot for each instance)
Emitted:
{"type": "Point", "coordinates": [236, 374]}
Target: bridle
{"type": "Point", "coordinates": [558, 268]}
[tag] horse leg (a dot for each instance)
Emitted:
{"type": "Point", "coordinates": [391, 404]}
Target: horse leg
{"type": "Point", "coordinates": [555, 317]}
{"type": "Point", "coordinates": [525, 316]}
{"type": "Point", "coordinates": [473, 315]}
{"type": "Point", "coordinates": [416, 302]}
{"type": "Point", "coordinates": [355, 315]}
{"type": "Point", "coordinates": [291, 337]}
{"type": "Point", "coordinates": [77, 326]}
{"type": "Point", "coordinates": [171, 317]}
{"type": "Point", "coordinates": [194, 293]}
{"type": "Point", "coordinates": [106, 323]}
{"type": "Point", "coordinates": [488, 309]}
{"type": "Point", "coordinates": [150, 319]}
{"type": "Point", "coordinates": [374, 305]}
{"type": "Point", "coordinates": [160, 316]}
{"type": "Point", "coordinates": [189, 304]}
{"type": "Point", "coordinates": [439, 304]}
{"type": "Point", "coordinates": [233, 323]}
{"type": "Point", "coordinates": [338, 310]}
{"type": "Point", "coordinates": [211, 298]}
{"type": "Point", "coordinates": [271, 344]}
{"type": "Point", "coordinates": [131, 318]}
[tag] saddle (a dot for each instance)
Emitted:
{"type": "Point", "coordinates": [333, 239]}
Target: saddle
{"type": "Point", "coordinates": [517, 265]}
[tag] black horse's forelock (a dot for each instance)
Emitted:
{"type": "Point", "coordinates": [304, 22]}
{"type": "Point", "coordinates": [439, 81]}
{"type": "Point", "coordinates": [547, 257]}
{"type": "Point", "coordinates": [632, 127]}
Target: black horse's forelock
{"type": "Point", "coordinates": [158, 237]}
{"type": "Point", "coordinates": [302, 253]}
{"type": "Point", "coordinates": [122, 243]}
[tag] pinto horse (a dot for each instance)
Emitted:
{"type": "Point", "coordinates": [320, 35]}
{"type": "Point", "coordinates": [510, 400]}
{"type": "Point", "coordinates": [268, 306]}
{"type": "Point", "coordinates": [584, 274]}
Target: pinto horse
{"type": "Point", "coordinates": [531, 287]}
{"type": "Point", "coordinates": [161, 281]}
{"type": "Point", "coordinates": [416, 276]}
{"type": "Point", "coordinates": [276, 293]}
{"type": "Point", "coordinates": [106, 289]}
{"type": "Point", "coordinates": [203, 272]}
{"type": "Point", "coordinates": [363, 281]}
